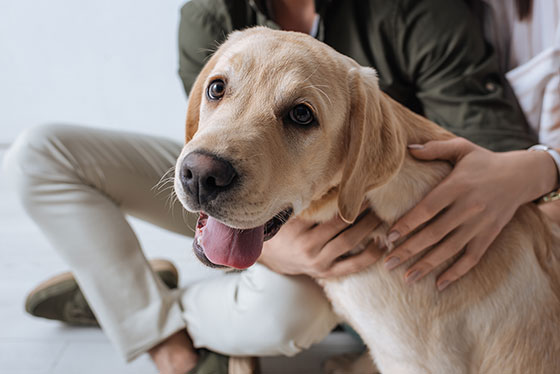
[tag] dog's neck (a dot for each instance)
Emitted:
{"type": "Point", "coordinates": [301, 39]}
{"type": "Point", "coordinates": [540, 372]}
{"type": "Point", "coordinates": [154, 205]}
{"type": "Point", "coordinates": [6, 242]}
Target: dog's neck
{"type": "Point", "coordinates": [414, 179]}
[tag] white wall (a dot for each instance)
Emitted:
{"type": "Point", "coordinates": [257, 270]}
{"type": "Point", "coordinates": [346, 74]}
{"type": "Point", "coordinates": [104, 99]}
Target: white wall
{"type": "Point", "coordinates": [106, 63]}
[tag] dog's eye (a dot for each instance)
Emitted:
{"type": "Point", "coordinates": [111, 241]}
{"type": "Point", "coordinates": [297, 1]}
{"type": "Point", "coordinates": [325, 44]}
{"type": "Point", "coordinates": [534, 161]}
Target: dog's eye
{"type": "Point", "coordinates": [301, 115]}
{"type": "Point", "coordinates": [216, 89]}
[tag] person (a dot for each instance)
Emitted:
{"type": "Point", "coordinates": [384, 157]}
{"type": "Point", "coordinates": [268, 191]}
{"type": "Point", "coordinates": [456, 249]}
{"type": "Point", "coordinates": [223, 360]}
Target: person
{"type": "Point", "coordinates": [77, 183]}
{"type": "Point", "coordinates": [485, 188]}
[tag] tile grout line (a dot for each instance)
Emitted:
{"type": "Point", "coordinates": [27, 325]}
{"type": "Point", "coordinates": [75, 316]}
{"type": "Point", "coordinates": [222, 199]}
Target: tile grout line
{"type": "Point", "coordinates": [58, 357]}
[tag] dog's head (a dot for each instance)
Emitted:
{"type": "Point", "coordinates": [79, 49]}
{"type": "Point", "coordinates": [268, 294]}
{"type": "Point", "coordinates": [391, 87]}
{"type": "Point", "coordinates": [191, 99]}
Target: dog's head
{"type": "Point", "coordinates": [277, 121]}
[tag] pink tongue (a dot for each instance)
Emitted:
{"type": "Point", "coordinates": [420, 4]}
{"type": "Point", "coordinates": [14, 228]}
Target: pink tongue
{"type": "Point", "coordinates": [227, 246]}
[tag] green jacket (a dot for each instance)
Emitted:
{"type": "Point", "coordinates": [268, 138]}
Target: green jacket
{"type": "Point", "coordinates": [430, 56]}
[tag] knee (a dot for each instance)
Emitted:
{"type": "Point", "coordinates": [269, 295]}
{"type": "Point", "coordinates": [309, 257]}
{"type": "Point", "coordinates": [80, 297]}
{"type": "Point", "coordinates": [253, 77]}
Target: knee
{"type": "Point", "coordinates": [31, 148]}
{"type": "Point", "coordinates": [30, 160]}
{"type": "Point", "coordinates": [302, 318]}
{"type": "Point", "coordinates": [295, 314]}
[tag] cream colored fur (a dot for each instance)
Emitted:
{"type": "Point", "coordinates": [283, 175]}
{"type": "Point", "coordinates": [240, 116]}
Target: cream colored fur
{"type": "Point", "coordinates": [502, 317]}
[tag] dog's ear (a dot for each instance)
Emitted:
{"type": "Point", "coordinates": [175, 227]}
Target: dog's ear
{"type": "Point", "coordinates": [374, 146]}
{"type": "Point", "coordinates": [195, 98]}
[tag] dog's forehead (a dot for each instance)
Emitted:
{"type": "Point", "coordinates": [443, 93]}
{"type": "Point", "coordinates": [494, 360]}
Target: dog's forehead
{"type": "Point", "coordinates": [274, 70]}
{"type": "Point", "coordinates": [273, 54]}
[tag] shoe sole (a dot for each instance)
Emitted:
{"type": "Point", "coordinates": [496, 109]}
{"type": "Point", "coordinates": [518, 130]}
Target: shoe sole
{"type": "Point", "coordinates": [160, 266]}
{"type": "Point", "coordinates": [33, 298]}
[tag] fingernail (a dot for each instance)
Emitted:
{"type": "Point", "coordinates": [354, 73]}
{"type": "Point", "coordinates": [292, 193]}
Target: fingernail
{"type": "Point", "coordinates": [415, 146]}
{"type": "Point", "coordinates": [393, 235]}
{"type": "Point", "coordinates": [391, 262]}
{"type": "Point", "coordinates": [409, 278]}
{"type": "Point", "coordinates": [441, 286]}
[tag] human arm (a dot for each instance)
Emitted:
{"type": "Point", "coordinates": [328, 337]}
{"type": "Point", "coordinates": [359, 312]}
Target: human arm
{"type": "Point", "coordinates": [459, 87]}
{"type": "Point", "coordinates": [470, 207]}
{"type": "Point", "coordinates": [455, 75]}
{"type": "Point", "coordinates": [202, 27]}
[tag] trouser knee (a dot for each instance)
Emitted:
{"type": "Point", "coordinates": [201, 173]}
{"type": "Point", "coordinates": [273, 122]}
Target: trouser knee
{"type": "Point", "coordinates": [34, 159]}
{"type": "Point", "coordinates": [292, 313]}
{"type": "Point", "coordinates": [297, 325]}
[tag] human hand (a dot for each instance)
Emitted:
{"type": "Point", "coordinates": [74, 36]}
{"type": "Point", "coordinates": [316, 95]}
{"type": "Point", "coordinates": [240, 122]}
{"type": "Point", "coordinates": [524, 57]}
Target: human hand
{"type": "Point", "coordinates": [302, 247]}
{"type": "Point", "coordinates": [469, 208]}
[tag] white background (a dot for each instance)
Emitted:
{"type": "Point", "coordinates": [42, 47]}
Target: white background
{"type": "Point", "coordinates": [105, 63]}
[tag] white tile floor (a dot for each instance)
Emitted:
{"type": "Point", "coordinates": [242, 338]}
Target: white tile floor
{"type": "Point", "coordinates": [35, 346]}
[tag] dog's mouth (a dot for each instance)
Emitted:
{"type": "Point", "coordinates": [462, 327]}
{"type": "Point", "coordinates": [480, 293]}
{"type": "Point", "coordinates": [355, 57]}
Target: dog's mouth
{"type": "Point", "coordinates": [218, 245]}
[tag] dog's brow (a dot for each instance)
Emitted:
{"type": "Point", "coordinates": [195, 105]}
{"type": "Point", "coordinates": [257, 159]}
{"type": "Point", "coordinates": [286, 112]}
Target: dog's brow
{"type": "Point", "coordinates": [297, 93]}
{"type": "Point", "coordinates": [224, 71]}
{"type": "Point", "coordinates": [320, 90]}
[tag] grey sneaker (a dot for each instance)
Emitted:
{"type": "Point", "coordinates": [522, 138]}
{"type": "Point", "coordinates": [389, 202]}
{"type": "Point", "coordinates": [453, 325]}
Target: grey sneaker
{"type": "Point", "coordinates": [61, 299]}
{"type": "Point", "coordinates": [214, 363]}
{"type": "Point", "coordinates": [210, 363]}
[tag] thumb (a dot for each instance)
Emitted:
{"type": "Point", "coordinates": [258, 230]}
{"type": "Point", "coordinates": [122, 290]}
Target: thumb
{"type": "Point", "coordinates": [451, 150]}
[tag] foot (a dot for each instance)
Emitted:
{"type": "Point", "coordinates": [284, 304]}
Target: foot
{"type": "Point", "coordinates": [175, 355]}
{"type": "Point", "coordinates": [60, 297]}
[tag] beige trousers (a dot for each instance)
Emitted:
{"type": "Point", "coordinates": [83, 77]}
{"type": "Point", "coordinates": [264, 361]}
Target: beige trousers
{"type": "Point", "coordinates": [78, 184]}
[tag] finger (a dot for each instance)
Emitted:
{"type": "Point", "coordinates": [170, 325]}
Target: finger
{"type": "Point", "coordinates": [450, 150]}
{"type": "Point", "coordinates": [438, 255]}
{"type": "Point", "coordinates": [356, 263]}
{"type": "Point", "coordinates": [350, 238]}
{"type": "Point", "coordinates": [474, 252]}
{"type": "Point", "coordinates": [297, 226]}
{"type": "Point", "coordinates": [430, 235]}
{"type": "Point", "coordinates": [324, 232]}
{"type": "Point", "coordinates": [432, 204]}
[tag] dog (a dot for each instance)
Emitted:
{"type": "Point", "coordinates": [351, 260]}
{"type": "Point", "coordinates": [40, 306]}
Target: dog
{"type": "Point", "coordinates": [280, 124]}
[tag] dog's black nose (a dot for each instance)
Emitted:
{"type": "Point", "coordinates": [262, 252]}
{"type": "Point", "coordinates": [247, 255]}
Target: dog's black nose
{"type": "Point", "coordinates": [204, 176]}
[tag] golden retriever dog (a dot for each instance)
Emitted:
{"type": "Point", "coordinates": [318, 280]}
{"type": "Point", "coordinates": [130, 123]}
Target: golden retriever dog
{"type": "Point", "coordinates": [280, 124]}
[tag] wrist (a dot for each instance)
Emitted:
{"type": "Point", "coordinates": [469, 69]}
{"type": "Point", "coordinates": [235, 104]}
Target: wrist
{"type": "Point", "coordinates": [545, 173]}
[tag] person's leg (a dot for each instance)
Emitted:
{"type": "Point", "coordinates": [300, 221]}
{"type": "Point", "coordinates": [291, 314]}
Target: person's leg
{"type": "Point", "coordinates": [76, 182]}
{"type": "Point", "coordinates": [257, 312]}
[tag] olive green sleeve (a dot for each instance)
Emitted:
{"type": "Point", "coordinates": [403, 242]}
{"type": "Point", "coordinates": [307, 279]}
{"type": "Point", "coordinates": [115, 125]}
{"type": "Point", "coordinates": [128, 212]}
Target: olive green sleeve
{"type": "Point", "coordinates": [203, 26]}
{"type": "Point", "coordinates": [456, 75]}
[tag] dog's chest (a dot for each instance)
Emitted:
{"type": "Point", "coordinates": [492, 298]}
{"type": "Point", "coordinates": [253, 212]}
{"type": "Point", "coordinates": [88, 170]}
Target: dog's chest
{"type": "Point", "coordinates": [377, 306]}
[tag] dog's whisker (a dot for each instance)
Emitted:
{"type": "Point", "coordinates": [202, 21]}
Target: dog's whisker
{"type": "Point", "coordinates": [187, 223]}
{"type": "Point", "coordinates": [163, 182]}
{"type": "Point", "coordinates": [164, 178]}
{"type": "Point", "coordinates": [316, 87]}
{"type": "Point", "coordinates": [310, 75]}
{"type": "Point", "coordinates": [322, 85]}
{"type": "Point", "coordinates": [185, 219]}
{"type": "Point", "coordinates": [164, 188]}
{"type": "Point", "coordinates": [211, 50]}
{"type": "Point", "coordinates": [168, 189]}
{"type": "Point", "coordinates": [169, 202]}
